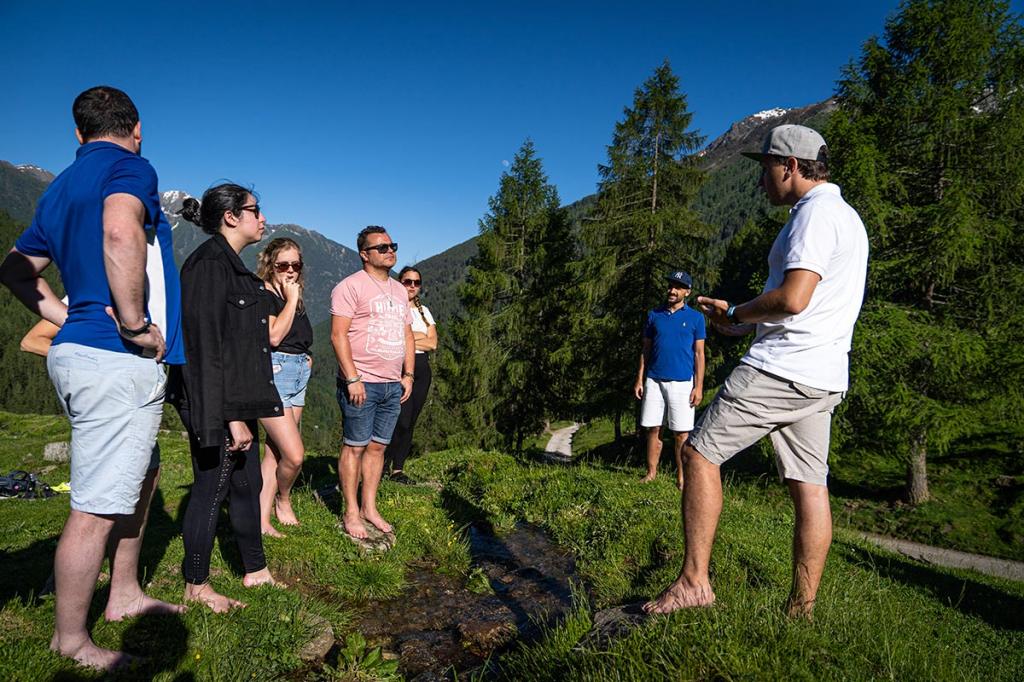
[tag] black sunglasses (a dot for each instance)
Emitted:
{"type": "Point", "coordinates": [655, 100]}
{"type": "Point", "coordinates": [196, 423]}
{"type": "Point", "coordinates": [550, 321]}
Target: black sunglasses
{"type": "Point", "coordinates": [383, 248]}
{"type": "Point", "coordinates": [255, 208]}
{"type": "Point", "coordinates": [411, 282]}
{"type": "Point", "coordinates": [284, 265]}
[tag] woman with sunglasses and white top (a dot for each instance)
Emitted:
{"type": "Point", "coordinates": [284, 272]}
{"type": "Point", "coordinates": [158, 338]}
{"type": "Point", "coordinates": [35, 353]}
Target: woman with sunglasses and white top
{"type": "Point", "coordinates": [291, 340]}
{"type": "Point", "coordinates": [424, 334]}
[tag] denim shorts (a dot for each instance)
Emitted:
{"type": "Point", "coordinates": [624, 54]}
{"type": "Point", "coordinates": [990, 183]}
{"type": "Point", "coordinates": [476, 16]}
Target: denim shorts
{"type": "Point", "coordinates": [375, 419]}
{"type": "Point", "coordinates": [291, 374]}
{"type": "Point", "coordinates": [114, 402]}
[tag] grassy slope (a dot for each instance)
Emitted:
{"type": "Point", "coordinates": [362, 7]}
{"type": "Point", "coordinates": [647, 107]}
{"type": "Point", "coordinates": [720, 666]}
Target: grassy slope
{"type": "Point", "coordinates": [877, 615]}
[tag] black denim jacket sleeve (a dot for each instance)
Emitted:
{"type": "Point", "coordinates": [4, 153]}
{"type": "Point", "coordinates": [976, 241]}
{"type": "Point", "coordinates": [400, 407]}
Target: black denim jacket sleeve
{"type": "Point", "coordinates": [203, 291]}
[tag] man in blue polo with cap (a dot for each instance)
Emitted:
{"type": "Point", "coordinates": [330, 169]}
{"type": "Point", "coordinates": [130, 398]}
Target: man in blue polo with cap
{"type": "Point", "coordinates": [670, 380]}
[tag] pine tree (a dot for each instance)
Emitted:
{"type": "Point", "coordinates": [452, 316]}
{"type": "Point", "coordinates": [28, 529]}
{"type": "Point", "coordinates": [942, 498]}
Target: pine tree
{"type": "Point", "coordinates": [644, 225]}
{"type": "Point", "coordinates": [927, 144]}
{"type": "Point", "coordinates": [508, 353]}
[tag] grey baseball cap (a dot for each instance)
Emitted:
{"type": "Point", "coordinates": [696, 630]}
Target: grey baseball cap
{"type": "Point", "coordinates": [787, 140]}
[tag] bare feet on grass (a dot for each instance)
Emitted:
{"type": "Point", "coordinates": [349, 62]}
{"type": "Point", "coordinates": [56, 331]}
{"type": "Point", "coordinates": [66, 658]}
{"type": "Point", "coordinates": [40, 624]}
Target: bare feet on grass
{"type": "Point", "coordinates": [271, 531]}
{"type": "Point", "coordinates": [205, 594]}
{"type": "Point", "coordinates": [682, 594]}
{"type": "Point", "coordinates": [261, 577]}
{"type": "Point", "coordinates": [139, 605]}
{"type": "Point", "coordinates": [650, 476]}
{"type": "Point", "coordinates": [378, 522]}
{"type": "Point", "coordinates": [354, 526]}
{"type": "Point", "coordinates": [679, 482]}
{"type": "Point", "coordinates": [285, 513]}
{"type": "Point", "coordinates": [88, 654]}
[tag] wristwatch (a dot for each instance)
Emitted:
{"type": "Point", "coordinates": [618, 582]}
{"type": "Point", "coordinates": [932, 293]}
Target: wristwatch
{"type": "Point", "coordinates": [408, 374]}
{"type": "Point", "coordinates": [132, 333]}
{"type": "Point", "coordinates": [730, 314]}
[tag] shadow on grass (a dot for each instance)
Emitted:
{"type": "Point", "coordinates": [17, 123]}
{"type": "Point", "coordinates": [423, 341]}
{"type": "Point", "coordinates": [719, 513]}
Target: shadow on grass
{"type": "Point", "coordinates": [27, 572]}
{"type": "Point", "coordinates": [999, 609]}
{"type": "Point", "coordinates": [161, 642]}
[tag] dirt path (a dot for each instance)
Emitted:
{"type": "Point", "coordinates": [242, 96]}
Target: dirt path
{"type": "Point", "coordinates": [560, 444]}
{"type": "Point", "coordinates": [948, 558]}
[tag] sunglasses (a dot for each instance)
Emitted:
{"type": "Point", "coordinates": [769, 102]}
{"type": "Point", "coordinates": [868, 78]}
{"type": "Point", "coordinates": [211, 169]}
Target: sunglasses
{"type": "Point", "coordinates": [383, 248]}
{"type": "Point", "coordinates": [255, 208]}
{"type": "Point", "coordinates": [411, 282]}
{"type": "Point", "coordinates": [285, 266]}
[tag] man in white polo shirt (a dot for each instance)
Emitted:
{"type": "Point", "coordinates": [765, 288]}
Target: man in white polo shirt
{"type": "Point", "coordinates": [794, 374]}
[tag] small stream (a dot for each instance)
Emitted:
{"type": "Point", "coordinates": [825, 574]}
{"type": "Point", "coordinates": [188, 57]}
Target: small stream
{"type": "Point", "coordinates": [438, 625]}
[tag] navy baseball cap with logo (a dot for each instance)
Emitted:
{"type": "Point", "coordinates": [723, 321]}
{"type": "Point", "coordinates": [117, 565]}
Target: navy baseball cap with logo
{"type": "Point", "coordinates": [680, 277]}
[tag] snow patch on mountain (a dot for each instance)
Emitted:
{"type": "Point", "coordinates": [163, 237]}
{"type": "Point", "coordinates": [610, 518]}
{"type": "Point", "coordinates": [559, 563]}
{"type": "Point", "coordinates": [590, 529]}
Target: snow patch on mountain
{"type": "Point", "coordinates": [770, 113]}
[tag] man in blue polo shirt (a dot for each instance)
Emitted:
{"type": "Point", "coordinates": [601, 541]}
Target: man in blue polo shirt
{"type": "Point", "coordinates": [670, 380]}
{"type": "Point", "coordinates": [100, 222]}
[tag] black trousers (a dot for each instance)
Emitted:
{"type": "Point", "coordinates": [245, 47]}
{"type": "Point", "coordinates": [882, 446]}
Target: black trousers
{"type": "Point", "coordinates": [220, 474]}
{"type": "Point", "coordinates": [401, 442]}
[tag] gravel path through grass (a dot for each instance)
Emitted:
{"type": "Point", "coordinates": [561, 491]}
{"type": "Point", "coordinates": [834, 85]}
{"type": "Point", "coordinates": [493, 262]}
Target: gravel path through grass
{"type": "Point", "coordinates": [560, 444]}
{"type": "Point", "coordinates": [949, 558]}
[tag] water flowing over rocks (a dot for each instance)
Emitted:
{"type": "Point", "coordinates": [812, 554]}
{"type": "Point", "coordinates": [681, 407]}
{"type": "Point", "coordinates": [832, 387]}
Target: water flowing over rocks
{"type": "Point", "coordinates": [519, 580]}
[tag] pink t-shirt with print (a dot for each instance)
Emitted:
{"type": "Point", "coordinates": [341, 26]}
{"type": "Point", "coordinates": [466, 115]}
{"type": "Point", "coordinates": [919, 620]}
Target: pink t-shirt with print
{"type": "Point", "coordinates": [380, 314]}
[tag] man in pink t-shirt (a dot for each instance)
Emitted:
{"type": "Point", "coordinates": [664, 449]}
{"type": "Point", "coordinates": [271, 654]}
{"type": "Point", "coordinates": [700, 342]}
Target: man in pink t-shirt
{"type": "Point", "coordinates": [373, 341]}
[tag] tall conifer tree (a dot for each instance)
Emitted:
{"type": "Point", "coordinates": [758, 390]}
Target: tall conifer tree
{"type": "Point", "coordinates": [509, 353]}
{"type": "Point", "coordinates": [644, 226]}
{"type": "Point", "coordinates": [929, 146]}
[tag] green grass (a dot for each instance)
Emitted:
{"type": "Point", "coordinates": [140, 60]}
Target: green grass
{"type": "Point", "coordinates": [331, 577]}
{"type": "Point", "coordinates": [878, 615]}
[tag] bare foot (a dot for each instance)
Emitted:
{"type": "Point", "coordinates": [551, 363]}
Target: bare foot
{"type": "Point", "coordinates": [679, 482]}
{"type": "Point", "coordinates": [261, 577]}
{"type": "Point", "coordinates": [800, 608]}
{"type": "Point", "coordinates": [681, 595]}
{"type": "Point", "coordinates": [271, 531]}
{"type": "Point", "coordinates": [378, 521]}
{"type": "Point", "coordinates": [649, 477]}
{"type": "Point", "coordinates": [139, 606]}
{"type": "Point", "coordinates": [354, 527]}
{"type": "Point", "coordinates": [285, 513]}
{"type": "Point", "coordinates": [216, 602]}
{"type": "Point", "coordinates": [92, 656]}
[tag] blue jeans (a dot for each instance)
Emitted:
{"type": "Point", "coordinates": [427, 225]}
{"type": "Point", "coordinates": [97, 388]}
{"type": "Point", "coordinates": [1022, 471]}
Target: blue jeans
{"type": "Point", "coordinates": [291, 374]}
{"type": "Point", "coordinates": [375, 419]}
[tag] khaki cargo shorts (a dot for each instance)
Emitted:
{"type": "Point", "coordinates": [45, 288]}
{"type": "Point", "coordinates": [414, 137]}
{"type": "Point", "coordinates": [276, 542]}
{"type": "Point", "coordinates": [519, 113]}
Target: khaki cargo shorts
{"type": "Point", "coordinates": [753, 403]}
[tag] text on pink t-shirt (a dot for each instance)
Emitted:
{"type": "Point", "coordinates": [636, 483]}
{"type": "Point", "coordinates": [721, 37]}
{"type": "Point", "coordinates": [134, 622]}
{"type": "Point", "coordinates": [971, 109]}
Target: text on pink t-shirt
{"type": "Point", "coordinates": [380, 314]}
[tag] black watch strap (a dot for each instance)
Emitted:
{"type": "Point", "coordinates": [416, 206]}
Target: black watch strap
{"type": "Point", "coordinates": [132, 333]}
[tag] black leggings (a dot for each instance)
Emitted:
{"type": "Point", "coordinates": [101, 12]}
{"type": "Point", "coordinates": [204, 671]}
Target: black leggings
{"type": "Point", "coordinates": [217, 474]}
{"type": "Point", "coordinates": [401, 441]}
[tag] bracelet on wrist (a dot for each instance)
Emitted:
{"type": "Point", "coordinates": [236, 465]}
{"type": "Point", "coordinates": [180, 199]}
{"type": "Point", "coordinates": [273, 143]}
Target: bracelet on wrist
{"type": "Point", "coordinates": [730, 314]}
{"type": "Point", "coordinates": [354, 380]}
{"type": "Point", "coordinates": [408, 374]}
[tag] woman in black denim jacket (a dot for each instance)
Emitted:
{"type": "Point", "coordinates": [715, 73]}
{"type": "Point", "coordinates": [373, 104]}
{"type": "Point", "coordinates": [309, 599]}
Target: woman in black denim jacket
{"type": "Point", "coordinates": [226, 385]}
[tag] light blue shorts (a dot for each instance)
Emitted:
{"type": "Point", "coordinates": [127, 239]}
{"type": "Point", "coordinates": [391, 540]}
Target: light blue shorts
{"type": "Point", "coordinates": [291, 375]}
{"type": "Point", "coordinates": [114, 402]}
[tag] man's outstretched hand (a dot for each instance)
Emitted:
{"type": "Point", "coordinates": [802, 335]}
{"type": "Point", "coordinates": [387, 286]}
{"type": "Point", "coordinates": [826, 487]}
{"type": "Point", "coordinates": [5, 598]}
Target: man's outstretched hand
{"type": "Point", "coordinates": [715, 309]}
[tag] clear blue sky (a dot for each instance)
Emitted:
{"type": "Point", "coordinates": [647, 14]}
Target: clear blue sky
{"type": "Point", "coordinates": [344, 114]}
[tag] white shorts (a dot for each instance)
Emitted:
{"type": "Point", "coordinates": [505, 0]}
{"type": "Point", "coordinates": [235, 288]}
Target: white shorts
{"type": "Point", "coordinates": [672, 397]}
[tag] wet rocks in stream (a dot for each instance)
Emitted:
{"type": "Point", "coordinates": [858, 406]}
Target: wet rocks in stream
{"type": "Point", "coordinates": [519, 580]}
